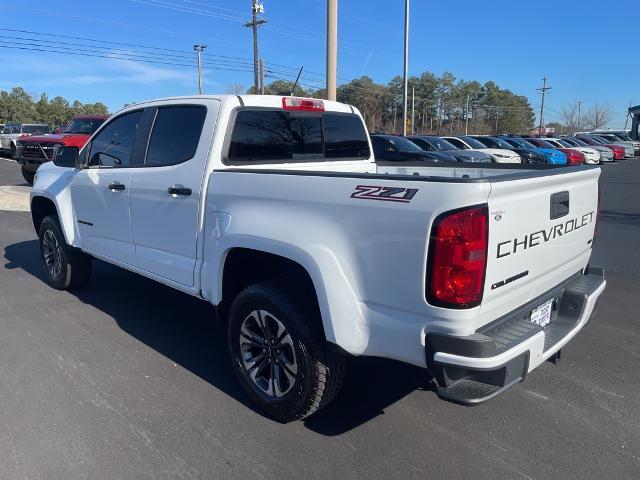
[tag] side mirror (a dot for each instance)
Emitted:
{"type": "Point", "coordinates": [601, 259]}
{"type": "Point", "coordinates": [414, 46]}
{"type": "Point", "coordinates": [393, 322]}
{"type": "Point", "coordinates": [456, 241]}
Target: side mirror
{"type": "Point", "coordinates": [66, 156]}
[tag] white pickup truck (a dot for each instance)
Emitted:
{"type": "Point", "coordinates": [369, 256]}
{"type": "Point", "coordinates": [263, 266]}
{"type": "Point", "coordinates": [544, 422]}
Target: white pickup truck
{"type": "Point", "coordinates": [273, 209]}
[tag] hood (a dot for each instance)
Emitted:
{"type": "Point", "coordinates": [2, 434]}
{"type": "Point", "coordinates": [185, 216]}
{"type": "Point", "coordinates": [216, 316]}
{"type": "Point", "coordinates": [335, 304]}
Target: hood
{"type": "Point", "coordinates": [432, 156]}
{"type": "Point", "coordinates": [74, 139]}
{"type": "Point", "coordinates": [549, 151]}
{"type": "Point", "coordinates": [470, 156]}
{"type": "Point", "coordinates": [42, 138]}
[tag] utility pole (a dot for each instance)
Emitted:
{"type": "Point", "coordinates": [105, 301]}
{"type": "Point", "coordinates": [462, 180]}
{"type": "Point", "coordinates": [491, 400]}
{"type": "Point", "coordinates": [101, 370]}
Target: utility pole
{"type": "Point", "coordinates": [579, 124]}
{"type": "Point", "coordinates": [332, 48]}
{"type": "Point", "coordinates": [466, 118]}
{"type": "Point", "coordinates": [413, 109]}
{"type": "Point", "coordinates": [261, 76]}
{"type": "Point", "coordinates": [198, 49]}
{"type": "Point", "coordinates": [626, 120]}
{"type": "Point", "coordinates": [497, 119]}
{"type": "Point", "coordinates": [424, 118]}
{"type": "Point", "coordinates": [406, 65]}
{"type": "Point", "coordinates": [543, 90]}
{"type": "Point", "coordinates": [256, 9]}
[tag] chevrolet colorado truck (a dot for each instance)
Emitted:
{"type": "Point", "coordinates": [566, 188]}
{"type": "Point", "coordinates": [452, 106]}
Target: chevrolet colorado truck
{"type": "Point", "coordinates": [273, 210]}
{"type": "Point", "coordinates": [33, 151]}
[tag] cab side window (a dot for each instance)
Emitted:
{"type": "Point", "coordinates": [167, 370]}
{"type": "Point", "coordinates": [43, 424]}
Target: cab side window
{"type": "Point", "coordinates": [113, 146]}
{"type": "Point", "coordinates": [175, 135]}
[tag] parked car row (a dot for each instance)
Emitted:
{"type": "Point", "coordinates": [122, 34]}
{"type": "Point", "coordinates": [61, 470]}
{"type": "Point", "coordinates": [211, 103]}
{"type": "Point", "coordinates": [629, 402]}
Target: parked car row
{"type": "Point", "coordinates": [33, 144]}
{"type": "Point", "coordinates": [588, 148]}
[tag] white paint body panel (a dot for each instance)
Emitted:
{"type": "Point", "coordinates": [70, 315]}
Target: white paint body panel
{"type": "Point", "coordinates": [367, 259]}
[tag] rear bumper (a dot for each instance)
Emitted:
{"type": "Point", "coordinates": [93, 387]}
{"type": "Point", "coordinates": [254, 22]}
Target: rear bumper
{"type": "Point", "coordinates": [473, 369]}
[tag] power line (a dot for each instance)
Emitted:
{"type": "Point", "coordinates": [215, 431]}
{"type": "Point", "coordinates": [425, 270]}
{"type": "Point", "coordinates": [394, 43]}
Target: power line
{"type": "Point", "coordinates": [39, 48]}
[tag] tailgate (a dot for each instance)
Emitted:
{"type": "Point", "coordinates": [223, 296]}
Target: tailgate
{"type": "Point", "coordinates": [540, 233]}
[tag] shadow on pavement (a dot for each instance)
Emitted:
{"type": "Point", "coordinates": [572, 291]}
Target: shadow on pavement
{"type": "Point", "coordinates": [184, 329]}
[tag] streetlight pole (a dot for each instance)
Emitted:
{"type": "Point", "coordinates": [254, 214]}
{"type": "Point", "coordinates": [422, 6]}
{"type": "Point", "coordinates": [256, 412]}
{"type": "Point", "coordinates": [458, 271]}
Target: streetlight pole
{"type": "Point", "coordinates": [332, 48]}
{"type": "Point", "coordinates": [198, 49]}
{"type": "Point", "coordinates": [406, 66]}
{"type": "Point", "coordinates": [466, 118]}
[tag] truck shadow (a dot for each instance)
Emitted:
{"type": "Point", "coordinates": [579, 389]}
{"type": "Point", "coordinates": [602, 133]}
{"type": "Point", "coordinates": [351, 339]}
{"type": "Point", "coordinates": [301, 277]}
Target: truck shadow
{"type": "Point", "coordinates": [184, 329]}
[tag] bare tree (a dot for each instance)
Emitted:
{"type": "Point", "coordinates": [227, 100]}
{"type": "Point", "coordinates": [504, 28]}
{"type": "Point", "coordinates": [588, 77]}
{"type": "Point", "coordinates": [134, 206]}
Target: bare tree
{"type": "Point", "coordinates": [597, 117]}
{"type": "Point", "coordinates": [570, 117]}
{"type": "Point", "coordinates": [236, 89]}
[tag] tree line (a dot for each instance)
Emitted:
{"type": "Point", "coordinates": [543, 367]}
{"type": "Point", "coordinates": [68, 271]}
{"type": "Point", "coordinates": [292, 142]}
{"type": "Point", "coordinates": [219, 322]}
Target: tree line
{"type": "Point", "coordinates": [443, 105]}
{"type": "Point", "coordinates": [20, 107]}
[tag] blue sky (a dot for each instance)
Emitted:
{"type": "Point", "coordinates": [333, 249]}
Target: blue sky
{"type": "Point", "coordinates": [584, 47]}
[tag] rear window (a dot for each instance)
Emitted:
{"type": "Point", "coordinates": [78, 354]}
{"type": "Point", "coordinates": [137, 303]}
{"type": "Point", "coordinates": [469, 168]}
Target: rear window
{"type": "Point", "coordinates": [276, 135]}
{"type": "Point", "coordinates": [345, 136]}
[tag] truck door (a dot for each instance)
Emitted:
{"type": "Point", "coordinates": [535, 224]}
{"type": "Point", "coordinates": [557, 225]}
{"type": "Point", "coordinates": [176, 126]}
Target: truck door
{"type": "Point", "coordinates": [165, 193]}
{"type": "Point", "coordinates": [100, 192]}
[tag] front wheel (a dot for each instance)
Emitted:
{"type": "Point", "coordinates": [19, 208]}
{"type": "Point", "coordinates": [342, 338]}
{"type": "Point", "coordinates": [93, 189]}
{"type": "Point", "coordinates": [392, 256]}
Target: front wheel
{"type": "Point", "coordinates": [64, 268]}
{"type": "Point", "coordinates": [28, 175]}
{"type": "Point", "coordinates": [13, 151]}
{"type": "Point", "coordinates": [279, 352]}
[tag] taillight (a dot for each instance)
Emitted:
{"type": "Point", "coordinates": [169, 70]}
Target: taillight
{"type": "Point", "coordinates": [458, 258]}
{"type": "Point", "coordinates": [305, 104]}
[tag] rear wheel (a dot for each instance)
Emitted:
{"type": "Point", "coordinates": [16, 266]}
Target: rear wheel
{"type": "Point", "coordinates": [13, 151]}
{"type": "Point", "coordinates": [28, 175]}
{"type": "Point", "coordinates": [279, 352]}
{"type": "Point", "coordinates": [64, 268]}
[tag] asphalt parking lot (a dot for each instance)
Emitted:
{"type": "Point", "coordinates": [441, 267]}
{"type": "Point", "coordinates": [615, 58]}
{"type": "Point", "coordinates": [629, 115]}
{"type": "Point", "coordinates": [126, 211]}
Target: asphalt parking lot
{"type": "Point", "coordinates": [128, 379]}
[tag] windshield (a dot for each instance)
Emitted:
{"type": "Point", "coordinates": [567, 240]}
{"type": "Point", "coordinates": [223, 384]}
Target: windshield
{"type": "Point", "coordinates": [501, 143]}
{"type": "Point", "coordinates": [597, 140]}
{"type": "Point", "coordinates": [403, 145]}
{"type": "Point", "coordinates": [473, 143]}
{"type": "Point", "coordinates": [543, 143]}
{"type": "Point", "coordinates": [623, 136]}
{"type": "Point", "coordinates": [440, 144]}
{"type": "Point", "coordinates": [35, 129]}
{"type": "Point", "coordinates": [84, 125]}
{"type": "Point", "coordinates": [564, 143]}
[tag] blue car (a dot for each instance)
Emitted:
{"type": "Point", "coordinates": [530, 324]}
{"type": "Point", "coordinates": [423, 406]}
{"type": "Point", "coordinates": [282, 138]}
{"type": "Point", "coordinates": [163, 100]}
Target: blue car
{"type": "Point", "coordinates": [551, 154]}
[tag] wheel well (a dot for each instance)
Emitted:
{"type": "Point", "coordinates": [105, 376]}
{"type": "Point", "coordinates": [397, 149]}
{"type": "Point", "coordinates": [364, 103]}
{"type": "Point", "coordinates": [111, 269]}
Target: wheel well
{"type": "Point", "coordinates": [244, 266]}
{"type": "Point", "coordinates": [40, 208]}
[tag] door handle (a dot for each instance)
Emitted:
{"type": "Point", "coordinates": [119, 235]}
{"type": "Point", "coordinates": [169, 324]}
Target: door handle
{"type": "Point", "coordinates": [179, 191]}
{"type": "Point", "coordinates": [116, 186]}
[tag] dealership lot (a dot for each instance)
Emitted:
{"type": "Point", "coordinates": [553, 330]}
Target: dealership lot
{"type": "Point", "coordinates": [130, 379]}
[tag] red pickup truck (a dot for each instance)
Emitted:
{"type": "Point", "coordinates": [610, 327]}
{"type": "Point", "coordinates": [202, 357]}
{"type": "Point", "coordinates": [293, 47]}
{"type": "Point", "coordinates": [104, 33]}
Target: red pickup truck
{"type": "Point", "coordinates": [31, 152]}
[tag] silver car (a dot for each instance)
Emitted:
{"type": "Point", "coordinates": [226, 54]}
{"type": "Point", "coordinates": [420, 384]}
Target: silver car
{"type": "Point", "coordinates": [629, 146]}
{"type": "Point", "coordinates": [606, 154]}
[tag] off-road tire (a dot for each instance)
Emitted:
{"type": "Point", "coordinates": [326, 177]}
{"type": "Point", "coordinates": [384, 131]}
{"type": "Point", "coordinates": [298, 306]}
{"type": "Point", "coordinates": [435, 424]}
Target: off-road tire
{"type": "Point", "coordinates": [28, 175]}
{"type": "Point", "coordinates": [74, 266]}
{"type": "Point", "coordinates": [321, 366]}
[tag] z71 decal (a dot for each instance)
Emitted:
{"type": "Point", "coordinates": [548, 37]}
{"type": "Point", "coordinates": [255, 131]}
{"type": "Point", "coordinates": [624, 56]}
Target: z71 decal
{"type": "Point", "coordinates": [386, 194]}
